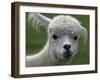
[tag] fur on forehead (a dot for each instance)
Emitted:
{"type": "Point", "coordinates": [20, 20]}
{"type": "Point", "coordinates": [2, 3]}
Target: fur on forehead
{"type": "Point", "coordinates": [67, 23]}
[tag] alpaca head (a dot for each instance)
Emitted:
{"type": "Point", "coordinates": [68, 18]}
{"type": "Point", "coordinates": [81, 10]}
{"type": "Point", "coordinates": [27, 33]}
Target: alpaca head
{"type": "Point", "coordinates": [63, 35]}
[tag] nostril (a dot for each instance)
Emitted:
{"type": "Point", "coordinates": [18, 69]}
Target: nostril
{"type": "Point", "coordinates": [67, 46]}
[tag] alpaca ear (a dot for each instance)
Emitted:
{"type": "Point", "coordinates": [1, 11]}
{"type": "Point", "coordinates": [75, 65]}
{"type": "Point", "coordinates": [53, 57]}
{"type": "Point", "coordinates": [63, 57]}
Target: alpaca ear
{"type": "Point", "coordinates": [84, 34]}
{"type": "Point", "coordinates": [37, 18]}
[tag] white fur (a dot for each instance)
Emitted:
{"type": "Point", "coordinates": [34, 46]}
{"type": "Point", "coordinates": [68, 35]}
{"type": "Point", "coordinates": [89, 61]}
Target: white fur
{"type": "Point", "coordinates": [65, 28]}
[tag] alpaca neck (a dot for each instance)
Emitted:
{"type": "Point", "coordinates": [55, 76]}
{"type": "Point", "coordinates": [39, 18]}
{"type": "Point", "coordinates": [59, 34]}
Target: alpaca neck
{"type": "Point", "coordinates": [47, 55]}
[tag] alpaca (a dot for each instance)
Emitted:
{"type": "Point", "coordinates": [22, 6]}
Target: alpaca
{"type": "Point", "coordinates": [64, 31]}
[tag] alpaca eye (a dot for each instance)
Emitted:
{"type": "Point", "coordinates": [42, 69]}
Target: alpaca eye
{"type": "Point", "coordinates": [75, 37]}
{"type": "Point", "coordinates": [55, 37]}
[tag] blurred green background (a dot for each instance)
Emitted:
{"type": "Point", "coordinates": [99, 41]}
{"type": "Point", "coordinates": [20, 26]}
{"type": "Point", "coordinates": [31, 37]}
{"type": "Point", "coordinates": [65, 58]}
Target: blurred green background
{"type": "Point", "coordinates": [36, 39]}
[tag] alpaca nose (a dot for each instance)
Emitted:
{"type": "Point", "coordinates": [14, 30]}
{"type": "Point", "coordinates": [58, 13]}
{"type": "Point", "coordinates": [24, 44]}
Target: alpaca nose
{"type": "Point", "coordinates": [67, 46]}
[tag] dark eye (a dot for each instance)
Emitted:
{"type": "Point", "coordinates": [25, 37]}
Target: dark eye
{"type": "Point", "coordinates": [55, 37]}
{"type": "Point", "coordinates": [75, 37]}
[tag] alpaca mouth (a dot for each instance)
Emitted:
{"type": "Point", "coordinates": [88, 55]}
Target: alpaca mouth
{"type": "Point", "coordinates": [67, 54]}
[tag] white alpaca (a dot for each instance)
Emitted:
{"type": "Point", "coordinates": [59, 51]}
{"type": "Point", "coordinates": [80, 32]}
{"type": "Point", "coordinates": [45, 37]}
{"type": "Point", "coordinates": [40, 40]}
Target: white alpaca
{"type": "Point", "coordinates": [63, 35]}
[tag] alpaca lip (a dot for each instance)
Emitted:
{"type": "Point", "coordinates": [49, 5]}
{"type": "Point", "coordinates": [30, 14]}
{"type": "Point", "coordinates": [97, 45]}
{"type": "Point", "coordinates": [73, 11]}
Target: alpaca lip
{"type": "Point", "coordinates": [67, 54]}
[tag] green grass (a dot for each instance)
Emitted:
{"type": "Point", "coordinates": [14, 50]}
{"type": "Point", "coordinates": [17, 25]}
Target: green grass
{"type": "Point", "coordinates": [36, 40]}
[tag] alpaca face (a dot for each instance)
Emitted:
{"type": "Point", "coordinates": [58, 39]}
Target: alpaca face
{"type": "Point", "coordinates": [64, 32]}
